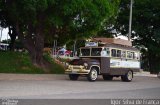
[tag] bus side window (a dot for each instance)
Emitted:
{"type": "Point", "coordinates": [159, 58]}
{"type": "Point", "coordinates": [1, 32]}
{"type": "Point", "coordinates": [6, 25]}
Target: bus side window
{"type": "Point", "coordinates": [118, 53]}
{"type": "Point", "coordinates": [128, 54]}
{"type": "Point", "coordinates": [136, 55]}
{"type": "Point", "coordinates": [113, 52]}
{"type": "Point", "coordinates": [105, 52]}
{"type": "Point", "coordinates": [123, 54]}
{"type": "Point", "coordinates": [108, 52]}
{"type": "Point", "coordinates": [132, 55]}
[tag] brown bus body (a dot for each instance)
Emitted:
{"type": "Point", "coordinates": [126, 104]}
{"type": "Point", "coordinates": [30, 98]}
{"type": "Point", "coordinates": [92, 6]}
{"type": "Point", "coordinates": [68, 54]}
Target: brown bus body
{"type": "Point", "coordinates": [109, 60]}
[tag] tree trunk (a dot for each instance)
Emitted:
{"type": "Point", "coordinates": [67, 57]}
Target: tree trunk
{"type": "Point", "coordinates": [39, 45]}
{"type": "Point", "coordinates": [34, 45]}
{"type": "Point", "coordinates": [12, 35]}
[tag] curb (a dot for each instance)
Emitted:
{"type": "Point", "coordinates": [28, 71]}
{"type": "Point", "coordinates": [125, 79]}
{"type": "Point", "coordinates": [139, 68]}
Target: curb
{"type": "Point", "coordinates": [39, 77]}
{"type": "Point", "coordinates": [147, 74]}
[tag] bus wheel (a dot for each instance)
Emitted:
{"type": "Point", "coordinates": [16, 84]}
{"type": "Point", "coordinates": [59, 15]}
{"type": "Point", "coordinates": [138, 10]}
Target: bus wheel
{"type": "Point", "coordinates": [92, 76]}
{"type": "Point", "coordinates": [73, 76]}
{"type": "Point", "coordinates": [127, 77]}
{"type": "Point", "coordinates": [107, 77]}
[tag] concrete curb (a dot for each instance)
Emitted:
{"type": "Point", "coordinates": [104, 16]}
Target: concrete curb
{"type": "Point", "coordinates": [39, 77]}
{"type": "Point", "coordinates": [147, 74]}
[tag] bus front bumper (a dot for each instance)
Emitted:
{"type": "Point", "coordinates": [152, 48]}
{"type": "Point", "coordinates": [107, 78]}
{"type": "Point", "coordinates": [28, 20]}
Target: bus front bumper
{"type": "Point", "coordinates": [76, 70]}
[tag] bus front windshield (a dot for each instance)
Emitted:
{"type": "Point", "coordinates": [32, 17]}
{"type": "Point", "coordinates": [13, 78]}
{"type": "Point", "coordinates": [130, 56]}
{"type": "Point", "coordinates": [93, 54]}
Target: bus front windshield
{"type": "Point", "coordinates": [85, 52]}
{"type": "Point", "coordinates": [96, 52]}
{"type": "Point", "coordinates": [91, 51]}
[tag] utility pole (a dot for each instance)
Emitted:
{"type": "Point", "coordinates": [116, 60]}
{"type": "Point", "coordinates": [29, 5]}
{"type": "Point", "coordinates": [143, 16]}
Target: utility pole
{"type": "Point", "coordinates": [130, 21]}
{"type": "Point", "coordinates": [54, 48]}
{"type": "Point", "coordinates": [74, 47]}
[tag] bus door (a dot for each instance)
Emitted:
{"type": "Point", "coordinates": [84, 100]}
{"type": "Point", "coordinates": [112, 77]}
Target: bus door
{"type": "Point", "coordinates": [105, 60]}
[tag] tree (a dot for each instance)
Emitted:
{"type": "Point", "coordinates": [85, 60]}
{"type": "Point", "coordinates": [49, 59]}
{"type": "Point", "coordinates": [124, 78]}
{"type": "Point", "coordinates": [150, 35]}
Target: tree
{"type": "Point", "coordinates": [107, 28]}
{"type": "Point", "coordinates": [85, 25]}
{"type": "Point", "coordinates": [36, 20]}
{"type": "Point", "coordinates": [145, 29]}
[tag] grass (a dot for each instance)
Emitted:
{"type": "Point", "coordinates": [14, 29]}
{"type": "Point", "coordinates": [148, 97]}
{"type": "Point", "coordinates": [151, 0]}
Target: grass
{"type": "Point", "coordinates": [17, 62]}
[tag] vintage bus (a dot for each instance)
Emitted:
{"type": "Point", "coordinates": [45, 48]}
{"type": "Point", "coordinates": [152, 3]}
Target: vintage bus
{"type": "Point", "coordinates": [108, 59]}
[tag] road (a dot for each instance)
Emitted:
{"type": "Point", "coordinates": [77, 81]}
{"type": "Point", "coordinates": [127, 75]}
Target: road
{"type": "Point", "coordinates": [60, 87]}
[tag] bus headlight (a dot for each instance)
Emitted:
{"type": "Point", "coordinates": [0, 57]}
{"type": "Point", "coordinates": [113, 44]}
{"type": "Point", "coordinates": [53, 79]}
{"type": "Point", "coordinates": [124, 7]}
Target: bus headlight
{"type": "Point", "coordinates": [67, 65]}
{"type": "Point", "coordinates": [85, 65]}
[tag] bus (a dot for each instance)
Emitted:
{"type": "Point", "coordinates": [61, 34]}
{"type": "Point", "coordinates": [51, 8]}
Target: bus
{"type": "Point", "coordinates": [111, 58]}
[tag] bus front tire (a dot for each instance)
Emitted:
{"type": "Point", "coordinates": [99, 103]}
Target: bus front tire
{"type": "Point", "coordinates": [93, 74]}
{"type": "Point", "coordinates": [127, 77]}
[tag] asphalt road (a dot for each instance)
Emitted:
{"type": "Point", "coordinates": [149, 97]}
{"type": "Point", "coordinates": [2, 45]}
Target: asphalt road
{"type": "Point", "coordinates": [60, 87]}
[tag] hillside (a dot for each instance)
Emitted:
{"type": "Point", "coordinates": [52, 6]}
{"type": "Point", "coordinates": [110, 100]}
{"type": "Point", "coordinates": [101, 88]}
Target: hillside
{"type": "Point", "coordinates": [16, 62]}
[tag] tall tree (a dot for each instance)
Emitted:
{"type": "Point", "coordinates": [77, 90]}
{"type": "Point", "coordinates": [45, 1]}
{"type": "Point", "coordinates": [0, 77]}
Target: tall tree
{"type": "Point", "coordinates": [107, 28]}
{"type": "Point", "coordinates": [145, 29]}
{"type": "Point", "coordinates": [36, 20]}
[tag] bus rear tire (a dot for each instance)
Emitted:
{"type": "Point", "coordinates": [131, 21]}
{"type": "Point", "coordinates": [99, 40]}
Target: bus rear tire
{"type": "Point", "coordinates": [127, 77]}
{"type": "Point", "coordinates": [73, 76]}
{"type": "Point", "coordinates": [108, 77]}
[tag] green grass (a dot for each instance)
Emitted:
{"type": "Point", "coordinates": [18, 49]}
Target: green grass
{"type": "Point", "coordinates": [16, 62]}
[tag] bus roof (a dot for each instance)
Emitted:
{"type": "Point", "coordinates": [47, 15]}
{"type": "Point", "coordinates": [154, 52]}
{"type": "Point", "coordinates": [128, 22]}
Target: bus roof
{"type": "Point", "coordinates": [116, 46]}
{"type": "Point", "coordinates": [113, 41]}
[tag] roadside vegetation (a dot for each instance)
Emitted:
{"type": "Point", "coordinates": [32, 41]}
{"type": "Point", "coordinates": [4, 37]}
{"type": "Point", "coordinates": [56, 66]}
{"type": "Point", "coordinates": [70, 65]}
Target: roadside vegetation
{"type": "Point", "coordinates": [18, 62]}
{"type": "Point", "coordinates": [36, 24]}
